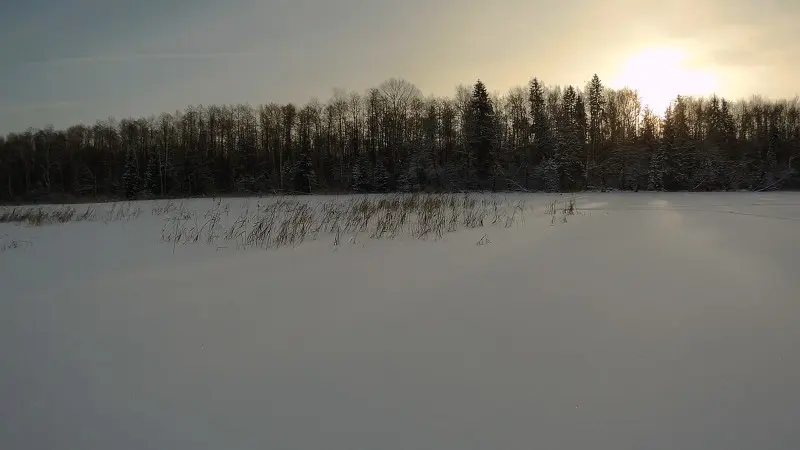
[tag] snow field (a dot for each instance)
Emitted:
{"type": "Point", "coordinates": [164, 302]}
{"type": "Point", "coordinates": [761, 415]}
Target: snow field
{"type": "Point", "coordinates": [648, 320]}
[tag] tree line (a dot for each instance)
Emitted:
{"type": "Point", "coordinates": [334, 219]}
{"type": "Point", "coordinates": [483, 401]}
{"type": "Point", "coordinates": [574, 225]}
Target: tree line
{"type": "Point", "coordinates": [392, 138]}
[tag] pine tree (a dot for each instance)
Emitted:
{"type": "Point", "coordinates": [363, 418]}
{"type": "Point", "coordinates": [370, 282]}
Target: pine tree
{"type": "Point", "coordinates": [405, 183]}
{"type": "Point", "coordinates": [380, 177]}
{"type": "Point", "coordinates": [655, 175]}
{"type": "Point", "coordinates": [448, 174]}
{"type": "Point", "coordinates": [596, 113]}
{"type": "Point", "coordinates": [410, 178]}
{"type": "Point", "coordinates": [580, 120]}
{"type": "Point", "coordinates": [568, 143]}
{"type": "Point", "coordinates": [482, 133]}
{"type": "Point", "coordinates": [130, 177]}
{"type": "Point", "coordinates": [305, 179]}
{"type": "Point", "coordinates": [543, 146]}
{"type": "Point", "coordinates": [770, 166]}
{"type": "Point", "coordinates": [552, 177]}
{"type": "Point", "coordinates": [151, 184]}
{"type": "Point", "coordinates": [646, 152]}
{"type": "Point", "coordinates": [356, 178]}
{"type": "Point", "coordinates": [198, 172]}
{"type": "Point", "coordinates": [362, 174]}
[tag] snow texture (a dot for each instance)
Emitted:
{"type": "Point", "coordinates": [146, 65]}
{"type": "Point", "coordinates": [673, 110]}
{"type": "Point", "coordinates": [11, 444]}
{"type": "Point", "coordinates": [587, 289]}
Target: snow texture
{"type": "Point", "coordinates": [647, 321]}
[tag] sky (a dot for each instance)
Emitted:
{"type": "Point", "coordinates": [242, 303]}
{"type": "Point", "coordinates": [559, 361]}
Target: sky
{"type": "Point", "coordinates": [66, 62]}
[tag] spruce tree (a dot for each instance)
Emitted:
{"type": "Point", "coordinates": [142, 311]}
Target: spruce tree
{"type": "Point", "coordinates": [305, 179]}
{"type": "Point", "coordinates": [380, 177]}
{"type": "Point", "coordinates": [362, 175]}
{"type": "Point", "coordinates": [405, 182]}
{"type": "Point", "coordinates": [568, 145]}
{"type": "Point", "coordinates": [410, 179]}
{"type": "Point", "coordinates": [657, 169]}
{"type": "Point", "coordinates": [595, 131]}
{"type": "Point", "coordinates": [482, 133]}
{"type": "Point", "coordinates": [356, 178]}
{"type": "Point", "coordinates": [540, 124]}
{"type": "Point", "coordinates": [151, 183]}
{"type": "Point", "coordinates": [130, 177]}
{"type": "Point", "coordinates": [580, 120]}
{"type": "Point", "coordinates": [552, 177]}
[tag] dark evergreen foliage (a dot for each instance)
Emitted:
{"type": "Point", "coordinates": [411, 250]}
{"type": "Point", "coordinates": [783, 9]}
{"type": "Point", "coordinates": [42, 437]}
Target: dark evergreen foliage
{"type": "Point", "coordinates": [392, 138]}
{"type": "Point", "coordinates": [130, 178]}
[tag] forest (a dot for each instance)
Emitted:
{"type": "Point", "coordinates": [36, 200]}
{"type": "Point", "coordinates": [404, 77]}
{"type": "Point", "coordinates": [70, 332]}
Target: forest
{"type": "Point", "coordinates": [393, 138]}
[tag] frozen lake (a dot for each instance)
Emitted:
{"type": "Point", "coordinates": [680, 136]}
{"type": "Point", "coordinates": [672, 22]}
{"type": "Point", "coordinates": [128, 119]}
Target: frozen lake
{"type": "Point", "coordinates": [646, 321]}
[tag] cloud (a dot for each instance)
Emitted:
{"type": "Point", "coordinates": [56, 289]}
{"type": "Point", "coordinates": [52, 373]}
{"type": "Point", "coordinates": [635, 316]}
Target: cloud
{"type": "Point", "coordinates": [17, 107]}
{"type": "Point", "coordinates": [94, 59]}
{"type": "Point", "coordinates": [758, 46]}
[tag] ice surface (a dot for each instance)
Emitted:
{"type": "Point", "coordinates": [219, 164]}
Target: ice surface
{"type": "Point", "coordinates": [648, 321]}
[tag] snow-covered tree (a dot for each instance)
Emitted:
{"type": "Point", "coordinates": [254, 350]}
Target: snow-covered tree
{"type": "Point", "coordinates": [130, 178]}
{"type": "Point", "coordinates": [657, 169]}
{"type": "Point", "coordinates": [482, 133]}
{"type": "Point", "coordinates": [380, 179]}
{"type": "Point", "coordinates": [305, 179]}
{"type": "Point", "coordinates": [552, 178]}
{"type": "Point", "coordinates": [362, 175]}
{"type": "Point", "coordinates": [151, 181]}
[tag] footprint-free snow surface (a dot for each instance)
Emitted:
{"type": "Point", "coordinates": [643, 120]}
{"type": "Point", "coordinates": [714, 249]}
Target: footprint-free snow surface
{"type": "Point", "coordinates": [645, 321]}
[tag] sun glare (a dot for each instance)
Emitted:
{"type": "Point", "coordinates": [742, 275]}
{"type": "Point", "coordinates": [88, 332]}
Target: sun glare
{"type": "Point", "coordinates": [660, 75]}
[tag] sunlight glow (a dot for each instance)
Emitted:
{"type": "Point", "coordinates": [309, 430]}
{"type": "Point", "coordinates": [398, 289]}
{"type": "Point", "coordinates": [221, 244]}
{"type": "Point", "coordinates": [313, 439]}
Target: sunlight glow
{"type": "Point", "coordinates": [660, 75]}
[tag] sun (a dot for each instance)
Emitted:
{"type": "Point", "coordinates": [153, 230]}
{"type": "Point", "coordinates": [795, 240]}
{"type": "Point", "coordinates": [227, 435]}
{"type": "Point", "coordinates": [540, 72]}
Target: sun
{"type": "Point", "coordinates": [660, 74]}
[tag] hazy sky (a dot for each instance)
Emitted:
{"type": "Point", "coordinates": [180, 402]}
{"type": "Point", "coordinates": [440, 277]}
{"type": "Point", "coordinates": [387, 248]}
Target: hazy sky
{"type": "Point", "coordinates": [76, 61]}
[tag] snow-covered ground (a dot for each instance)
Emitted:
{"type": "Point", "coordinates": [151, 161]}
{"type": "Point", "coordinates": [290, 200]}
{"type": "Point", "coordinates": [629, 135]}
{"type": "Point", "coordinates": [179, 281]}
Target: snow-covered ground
{"type": "Point", "coordinates": [646, 321]}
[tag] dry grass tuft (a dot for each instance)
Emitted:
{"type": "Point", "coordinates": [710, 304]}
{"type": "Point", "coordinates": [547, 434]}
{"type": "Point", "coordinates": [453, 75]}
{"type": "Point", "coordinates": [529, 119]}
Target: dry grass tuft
{"type": "Point", "coordinates": [569, 209]}
{"type": "Point", "coordinates": [7, 243]}
{"type": "Point", "coordinates": [37, 216]}
{"type": "Point", "coordinates": [40, 216]}
{"type": "Point", "coordinates": [290, 221]}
